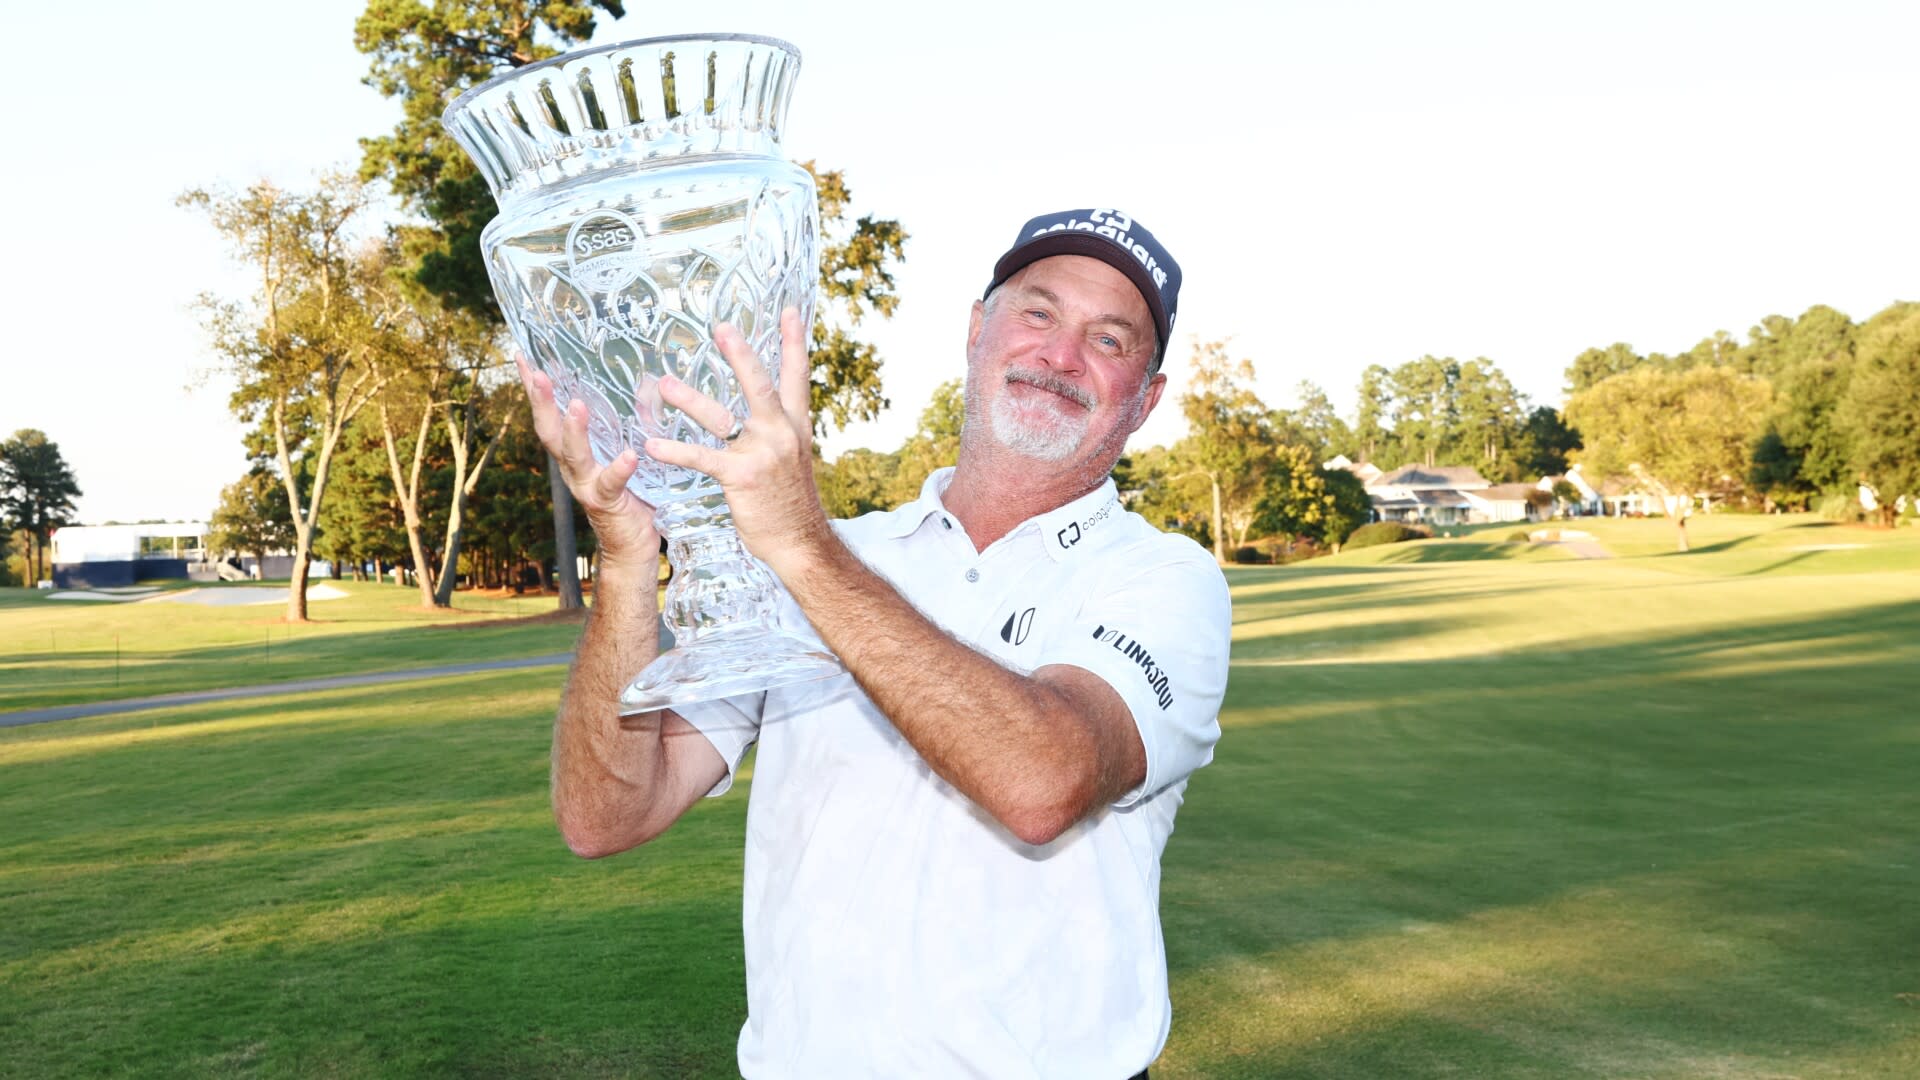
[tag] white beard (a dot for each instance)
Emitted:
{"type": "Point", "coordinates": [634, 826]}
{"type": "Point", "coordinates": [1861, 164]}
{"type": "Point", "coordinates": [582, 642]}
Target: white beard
{"type": "Point", "coordinates": [1046, 438]}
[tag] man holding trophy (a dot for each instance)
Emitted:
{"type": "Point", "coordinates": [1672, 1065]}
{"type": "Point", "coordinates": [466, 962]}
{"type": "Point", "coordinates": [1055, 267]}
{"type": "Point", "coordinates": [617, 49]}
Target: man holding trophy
{"type": "Point", "coordinates": [975, 714]}
{"type": "Point", "coordinates": [952, 852]}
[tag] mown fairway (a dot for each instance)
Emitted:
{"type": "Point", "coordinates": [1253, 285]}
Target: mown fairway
{"type": "Point", "coordinates": [55, 652]}
{"type": "Point", "coordinates": [1480, 810]}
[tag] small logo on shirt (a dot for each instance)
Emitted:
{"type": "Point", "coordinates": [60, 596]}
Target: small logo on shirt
{"type": "Point", "coordinates": [1136, 652]}
{"type": "Point", "coordinates": [1071, 535]}
{"type": "Point", "coordinates": [1018, 624]}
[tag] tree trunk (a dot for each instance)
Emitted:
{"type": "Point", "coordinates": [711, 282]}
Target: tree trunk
{"type": "Point", "coordinates": [1680, 526]}
{"type": "Point", "coordinates": [297, 584]}
{"type": "Point", "coordinates": [1219, 523]}
{"type": "Point", "coordinates": [449, 559]}
{"type": "Point", "coordinates": [565, 548]}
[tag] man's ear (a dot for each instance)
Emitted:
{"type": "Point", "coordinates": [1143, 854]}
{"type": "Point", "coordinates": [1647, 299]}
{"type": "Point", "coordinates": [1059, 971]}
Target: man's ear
{"type": "Point", "coordinates": [1156, 385]}
{"type": "Point", "coordinates": [973, 322]}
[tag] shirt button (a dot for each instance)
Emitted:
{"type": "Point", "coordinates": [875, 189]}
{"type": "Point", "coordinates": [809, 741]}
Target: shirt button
{"type": "Point", "coordinates": [973, 575]}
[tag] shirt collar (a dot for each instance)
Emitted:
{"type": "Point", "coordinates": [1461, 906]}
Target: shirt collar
{"type": "Point", "coordinates": [1063, 531]}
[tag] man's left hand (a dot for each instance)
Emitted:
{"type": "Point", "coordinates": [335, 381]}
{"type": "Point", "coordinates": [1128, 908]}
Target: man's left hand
{"type": "Point", "coordinates": [767, 470]}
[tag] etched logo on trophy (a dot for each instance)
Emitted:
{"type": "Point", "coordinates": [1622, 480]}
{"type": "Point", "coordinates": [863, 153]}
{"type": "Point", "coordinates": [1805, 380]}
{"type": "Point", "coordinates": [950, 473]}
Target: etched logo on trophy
{"type": "Point", "coordinates": [606, 251]}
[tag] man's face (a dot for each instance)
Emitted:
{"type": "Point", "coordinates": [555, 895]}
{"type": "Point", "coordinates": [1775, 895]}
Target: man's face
{"type": "Point", "coordinates": [1057, 362]}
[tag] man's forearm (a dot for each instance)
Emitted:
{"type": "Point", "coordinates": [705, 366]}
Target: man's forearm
{"type": "Point", "coordinates": [605, 770]}
{"type": "Point", "coordinates": [1018, 746]}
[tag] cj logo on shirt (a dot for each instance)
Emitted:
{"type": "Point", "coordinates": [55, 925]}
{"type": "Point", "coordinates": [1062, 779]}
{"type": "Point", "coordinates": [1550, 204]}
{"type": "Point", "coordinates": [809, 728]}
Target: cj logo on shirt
{"type": "Point", "coordinates": [1136, 652]}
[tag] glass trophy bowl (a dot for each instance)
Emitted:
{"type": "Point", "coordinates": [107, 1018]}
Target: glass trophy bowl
{"type": "Point", "coordinates": [643, 201]}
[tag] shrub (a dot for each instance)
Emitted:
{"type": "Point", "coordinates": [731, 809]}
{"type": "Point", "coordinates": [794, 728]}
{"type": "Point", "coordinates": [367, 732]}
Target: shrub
{"type": "Point", "coordinates": [1840, 506]}
{"type": "Point", "coordinates": [1247, 553]}
{"type": "Point", "coordinates": [1519, 536]}
{"type": "Point", "coordinates": [1385, 532]}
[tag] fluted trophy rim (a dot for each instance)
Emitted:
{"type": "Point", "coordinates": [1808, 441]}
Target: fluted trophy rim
{"type": "Point", "coordinates": [461, 103]}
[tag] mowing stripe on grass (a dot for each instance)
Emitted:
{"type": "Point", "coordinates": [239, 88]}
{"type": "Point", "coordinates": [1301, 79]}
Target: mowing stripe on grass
{"type": "Point", "coordinates": [334, 682]}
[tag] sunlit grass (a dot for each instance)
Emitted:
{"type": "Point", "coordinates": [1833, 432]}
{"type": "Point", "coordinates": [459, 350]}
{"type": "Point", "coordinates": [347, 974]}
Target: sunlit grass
{"type": "Point", "coordinates": [55, 652]}
{"type": "Point", "coordinates": [1470, 818]}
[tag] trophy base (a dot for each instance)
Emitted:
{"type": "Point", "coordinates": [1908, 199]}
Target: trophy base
{"type": "Point", "coordinates": [723, 665]}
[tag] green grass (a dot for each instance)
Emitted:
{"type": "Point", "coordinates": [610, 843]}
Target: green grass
{"type": "Point", "coordinates": [57, 652]}
{"type": "Point", "coordinates": [1471, 817]}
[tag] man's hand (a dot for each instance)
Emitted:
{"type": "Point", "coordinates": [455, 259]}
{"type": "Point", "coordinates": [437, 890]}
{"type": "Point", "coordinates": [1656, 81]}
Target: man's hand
{"type": "Point", "coordinates": [767, 471]}
{"type": "Point", "coordinates": [622, 524]}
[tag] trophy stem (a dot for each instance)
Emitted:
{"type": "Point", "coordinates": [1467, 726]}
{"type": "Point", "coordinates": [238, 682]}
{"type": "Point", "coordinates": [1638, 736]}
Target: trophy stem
{"type": "Point", "coordinates": [722, 609]}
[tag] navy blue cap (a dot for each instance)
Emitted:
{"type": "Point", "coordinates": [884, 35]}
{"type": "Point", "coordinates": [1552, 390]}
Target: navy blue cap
{"type": "Point", "coordinates": [1115, 239]}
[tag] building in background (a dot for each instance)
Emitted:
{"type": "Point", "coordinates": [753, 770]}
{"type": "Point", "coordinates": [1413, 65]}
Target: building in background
{"type": "Point", "coordinates": [104, 556]}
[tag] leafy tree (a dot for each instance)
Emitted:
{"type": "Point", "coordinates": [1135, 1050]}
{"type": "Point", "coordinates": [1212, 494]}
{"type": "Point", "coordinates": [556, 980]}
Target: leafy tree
{"type": "Point", "coordinates": [934, 444]}
{"type": "Point", "coordinates": [426, 56]}
{"type": "Point", "coordinates": [1809, 360]}
{"type": "Point", "coordinates": [1425, 408]}
{"type": "Point", "coordinates": [1682, 433]}
{"type": "Point", "coordinates": [1881, 410]}
{"type": "Point", "coordinates": [37, 490]}
{"type": "Point", "coordinates": [1376, 406]}
{"type": "Point", "coordinates": [304, 347]}
{"type": "Point", "coordinates": [1229, 440]}
{"type": "Point", "coordinates": [1779, 344]}
{"type": "Point", "coordinates": [1545, 443]}
{"type": "Point", "coordinates": [1312, 423]}
{"type": "Point", "coordinates": [856, 277]}
{"type": "Point", "coordinates": [361, 519]}
{"type": "Point", "coordinates": [252, 517]}
{"type": "Point", "coordinates": [1597, 365]}
{"type": "Point", "coordinates": [1491, 419]}
{"type": "Point", "coordinates": [1300, 498]}
{"type": "Point", "coordinates": [857, 482]}
{"type": "Point", "coordinates": [1566, 494]}
{"type": "Point", "coordinates": [1153, 483]}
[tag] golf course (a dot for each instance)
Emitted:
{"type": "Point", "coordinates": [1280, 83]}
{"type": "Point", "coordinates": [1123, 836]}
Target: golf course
{"type": "Point", "coordinates": [1481, 808]}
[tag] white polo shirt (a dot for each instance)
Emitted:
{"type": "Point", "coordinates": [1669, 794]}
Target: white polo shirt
{"type": "Point", "coordinates": [893, 928]}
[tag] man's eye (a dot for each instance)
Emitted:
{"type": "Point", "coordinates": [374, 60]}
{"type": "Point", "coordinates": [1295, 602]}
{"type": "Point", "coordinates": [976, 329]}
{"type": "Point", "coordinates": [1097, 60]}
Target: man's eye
{"type": "Point", "coordinates": [1109, 342]}
{"type": "Point", "coordinates": [1037, 314]}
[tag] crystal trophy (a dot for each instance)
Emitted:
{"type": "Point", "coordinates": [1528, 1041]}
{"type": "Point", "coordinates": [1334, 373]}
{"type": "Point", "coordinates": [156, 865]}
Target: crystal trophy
{"type": "Point", "coordinates": [643, 201]}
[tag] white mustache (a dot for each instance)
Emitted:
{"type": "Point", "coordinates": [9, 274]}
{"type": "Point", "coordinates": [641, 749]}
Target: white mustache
{"type": "Point", "coordinates": [1054, 384]}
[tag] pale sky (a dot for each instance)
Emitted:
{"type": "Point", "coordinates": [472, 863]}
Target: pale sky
{"type": "Point", "coordinates": [1343, 184]}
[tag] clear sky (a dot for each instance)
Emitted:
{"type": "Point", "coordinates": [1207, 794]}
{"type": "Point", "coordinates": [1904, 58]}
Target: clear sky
{"type": "Point", "coordinates": [1344, 184]}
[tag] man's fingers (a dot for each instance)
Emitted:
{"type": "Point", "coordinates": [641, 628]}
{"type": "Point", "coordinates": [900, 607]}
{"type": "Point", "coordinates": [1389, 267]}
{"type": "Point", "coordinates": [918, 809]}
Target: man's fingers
{"type": "Point", "coordinates": [576, 452]}
{"type": "Point", "coordinates": [546, 413]}
{"type": "Point", "coordinates": [688, 456]}
{"type": "Point", "coordinates": [610, 482]}
{"type": "Point", "coordinates": [796, 370]}
{"type": "Point", "coordinates": [755, 386]}
{"type": "Point", "coordinates": [705, 411]}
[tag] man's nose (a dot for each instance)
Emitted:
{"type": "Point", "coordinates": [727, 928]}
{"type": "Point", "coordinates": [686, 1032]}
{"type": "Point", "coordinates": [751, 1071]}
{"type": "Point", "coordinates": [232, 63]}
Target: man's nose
{"type": "Point", "coordinates": [1064, 350]}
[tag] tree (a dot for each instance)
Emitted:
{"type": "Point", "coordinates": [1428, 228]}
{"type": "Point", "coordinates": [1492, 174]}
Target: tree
{"type": "Point", "coordinates": [1545, 443]}
{"type": "Point", "coordinates": [1370, 432]}
{"type": "Point", "coordinates": [252, 517]}
{"type": "Point", "coordinates": [427, 54]}
{"type": "Point", "coordinates": [1299, 498]}
{"type": "Point", "coordinates": [1229, 440]}
{"type": "Point", "coordinates": [1597, 365]}
{"type": "Point", "coordinates": [935, 443]}
{"type": "Point", "coordinates": [37, 490]}
{"type": "Point", "coordinates": [1425, 408]}
{"type": "Point", "coordinates": [1881, 410]}
{"type": "Point", "coordinates": [1491, 419]}
{"type": "Point", "coordinates": [304, 347]}
{"type": "Point", "coordinates": [1682, 433]}
{"type": "Point", "coordinates": [1313, 423]}
{"type": "Point", "coordinates": [1565, 494]}
{"type": "Point", "coordinates": [856, 483]}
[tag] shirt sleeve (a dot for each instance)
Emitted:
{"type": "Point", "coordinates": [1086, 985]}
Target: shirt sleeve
{"type": "Point", "coordinates": [1159, 632]}
{"type": "Point", "coordinates": [731, 725]}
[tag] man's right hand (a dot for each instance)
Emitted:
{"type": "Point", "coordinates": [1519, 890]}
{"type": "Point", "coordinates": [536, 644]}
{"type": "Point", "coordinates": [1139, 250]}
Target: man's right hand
{"type": "Point", "coordinates": [622, 524]}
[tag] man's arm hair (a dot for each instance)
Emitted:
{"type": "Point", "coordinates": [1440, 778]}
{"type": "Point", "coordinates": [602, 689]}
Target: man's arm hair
{"type": "Point", "coordinates": [619, 782]}
{"type": "Point", "coordinates": [1038, 752]}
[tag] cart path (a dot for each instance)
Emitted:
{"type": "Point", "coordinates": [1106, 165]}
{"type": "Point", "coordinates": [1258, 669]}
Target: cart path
{"type": "Point", "coordinates": [302, 686]}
